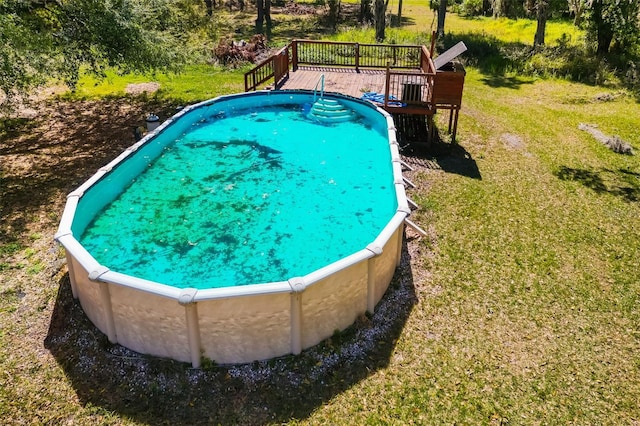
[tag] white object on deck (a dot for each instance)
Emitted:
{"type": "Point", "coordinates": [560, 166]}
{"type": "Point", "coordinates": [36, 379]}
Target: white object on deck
{"type": "Point", "coordinates": [447, 56]}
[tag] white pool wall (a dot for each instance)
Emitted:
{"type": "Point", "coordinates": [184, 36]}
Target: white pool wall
{"type": "Point", "coordinates": [232, 324]}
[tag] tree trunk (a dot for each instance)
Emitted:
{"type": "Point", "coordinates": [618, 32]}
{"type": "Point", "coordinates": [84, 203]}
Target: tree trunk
{"type": "Point", "coordinates": [380, 20]}
{"type": "Point", "coordinates": [366, 15]}
{"type": "Point", "coordinates": [486, 7]}
{"type": "Point", "coordinates": [209, 5]}
{"type": "Point", "coordinates": [260, 16]}
{"type": "Point", "coordinates": [334, 13]}
{"type": "Point", "coordinates": [399, 12]}
{"type": "Point", "coordinates": [267, 14]}
{"type": "Point", "coordinates": [542, 12]}
{"type": "Point", "coordinates": [577, 7]}
{"type": "Point", "coordinates": [442, 12]}
{"type": "Point", "coordinates": [604, 32]}
{"type": "Point", "coordinates": [577, 18]}
{"type": "Point", "coordinates": [604, 42]}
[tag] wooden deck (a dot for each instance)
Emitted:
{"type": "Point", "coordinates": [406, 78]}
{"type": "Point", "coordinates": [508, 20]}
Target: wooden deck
{"type": "Point", "coordinates": [351, 82]}
{"type": "Point", "coordinates": [404, 76]}
{"type": "Point", "coordinates": [337, 80]}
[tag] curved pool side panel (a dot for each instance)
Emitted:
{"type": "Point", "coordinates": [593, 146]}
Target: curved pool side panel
{"type": "Point", "coordinates": [231, 324]}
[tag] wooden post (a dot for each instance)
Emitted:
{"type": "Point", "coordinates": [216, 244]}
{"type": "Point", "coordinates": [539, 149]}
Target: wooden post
{"type": "Point", "coordinates": [294, 55]}
{"type": "Point", "coordinates": [433, 43]}
{"type": "Point", "coordinates": [455, 125]}
{"type": "Point", "coordinates": [286, 60]}
{"type": "Point", "coordinates": [275, 65]}
{"type": "Point", "coordinates": [386, 85]}
{"type": "Point", "coordinates": [357, 48]}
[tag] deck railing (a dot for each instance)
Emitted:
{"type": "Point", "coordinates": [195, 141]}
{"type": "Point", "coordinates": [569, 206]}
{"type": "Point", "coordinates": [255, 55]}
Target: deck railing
{"type": "Point", "coordinates": [409, 68]}
{"type": "Point", "coordinates": [354, 55]}
{"type": "Point", "coordinates": [275, 67]}
{"type": "Point", "coordinates": [408, 89]}
{"type": "Point", "coordinates": [411, 89]}
{"type": "Point", "coordinates": [397, 56]}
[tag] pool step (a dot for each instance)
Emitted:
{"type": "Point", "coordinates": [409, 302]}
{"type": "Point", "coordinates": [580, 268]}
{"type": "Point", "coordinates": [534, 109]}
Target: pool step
{"type": "Point", "coordinates": [330, 111]}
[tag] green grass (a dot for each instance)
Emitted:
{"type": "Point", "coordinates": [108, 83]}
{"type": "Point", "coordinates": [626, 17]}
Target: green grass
{"type": "Point", "coordinates": [193, 83]}
{"type": "Point", "coordinates": [529, 311]}
{"type": "Point", "coordinates": [513, 31]}
{"type": "Point", "coordinates": [540, 285]}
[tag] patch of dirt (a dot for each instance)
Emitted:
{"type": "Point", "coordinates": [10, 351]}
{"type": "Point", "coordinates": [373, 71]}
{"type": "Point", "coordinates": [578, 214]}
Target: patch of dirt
{"type": "Point", "coordinates": [292, 8]}
{"type": "Point", "coordinates": [512, 141]}
{"type": "Point", "coordinates": [606, 97]}
{"type": "Point", "coordinates": [45, 155]}
{"type": "Point", "coordinates": [140, 88]}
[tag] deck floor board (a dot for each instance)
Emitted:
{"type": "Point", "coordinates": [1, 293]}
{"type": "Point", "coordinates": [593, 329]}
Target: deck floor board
{"type": "Point", "coordinates": [336, 80]}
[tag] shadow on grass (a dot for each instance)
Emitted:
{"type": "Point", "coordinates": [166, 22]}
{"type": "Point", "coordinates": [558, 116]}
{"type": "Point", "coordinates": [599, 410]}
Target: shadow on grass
{"type": "Point", "coordinates": [404, 21]}
{"type": "Point", "coordinates": [621, 183]}
{"type": "Point", "coordinates": [159, 391]}
{"type": "Point", "coordinates": [42, 159]}
{"type": "Point", "coordinates": [510, 82]}
{"type": "Point", "coordinates": [412, 132]}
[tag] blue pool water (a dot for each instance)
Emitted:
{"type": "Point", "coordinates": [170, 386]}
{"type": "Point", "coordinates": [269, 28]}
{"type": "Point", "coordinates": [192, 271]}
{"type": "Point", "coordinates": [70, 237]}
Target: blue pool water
{"type": "Point", "coordinates": [249, 197]}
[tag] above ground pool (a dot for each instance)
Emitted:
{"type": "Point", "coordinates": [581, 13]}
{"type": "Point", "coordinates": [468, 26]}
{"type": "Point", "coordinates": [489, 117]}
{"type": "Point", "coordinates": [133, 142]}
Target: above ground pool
{"type": "Point", "coordinates": [243, 228]}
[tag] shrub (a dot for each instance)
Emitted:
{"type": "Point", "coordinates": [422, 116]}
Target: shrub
{"type": "Point", "coordinates": [470, 8]}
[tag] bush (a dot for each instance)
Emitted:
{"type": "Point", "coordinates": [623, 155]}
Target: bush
{"type": "Point", "coordinates": [470, 8]}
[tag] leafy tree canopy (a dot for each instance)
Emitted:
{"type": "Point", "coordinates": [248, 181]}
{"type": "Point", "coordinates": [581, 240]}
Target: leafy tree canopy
{"type": "Point", "coordinates": [42, 40]}
{"type": "Point", "coordinates": [613, 21]}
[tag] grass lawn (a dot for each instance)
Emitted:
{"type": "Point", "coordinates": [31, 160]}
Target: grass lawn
{"type": "Point", "coordinates": [522, 305]}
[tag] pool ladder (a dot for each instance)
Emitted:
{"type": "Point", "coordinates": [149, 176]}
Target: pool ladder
{"type": "Point", "coordinates": [315, 89]}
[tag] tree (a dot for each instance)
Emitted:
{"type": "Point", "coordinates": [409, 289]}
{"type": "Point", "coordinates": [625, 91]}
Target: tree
{"type": "Point", "coordinates": [613, 22]}
{"type": "Point", "coordinates": [542, 12]}
{"type": "Point", "coordinates": [379, 12]}
{"type": "Point", "coordinates": [42, 40]}
{"type": "Point", "coordinates": [442, 12]}
{"type": "Point", "coordinates": [577, 7]}
{"type": "Point", "coordinates": [508, 8]}
{"type": "Point", "coordinates": [334, 12]}
{"type": "Point", "coordinates": [263, 8]}
{"type": "Point", "coordinates": [366, 13]}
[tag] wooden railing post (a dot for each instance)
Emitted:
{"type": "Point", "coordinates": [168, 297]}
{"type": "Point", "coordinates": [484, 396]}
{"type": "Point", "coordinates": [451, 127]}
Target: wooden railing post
{"type": "Point", "coordinates": [357, 48]}
{"type": "Point", "coordinates": [275, 65]}
{"type": "Point", "coordinates": [294, 55]}
{"type": "Point", "coordinates": [386, 85]}
{"type": "Point", "coordinates": [433, 43]}
{"type": "Point", "coordinates": [286, 59]}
